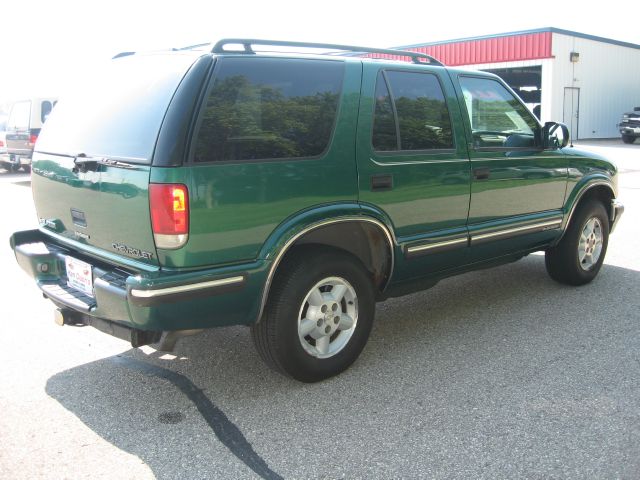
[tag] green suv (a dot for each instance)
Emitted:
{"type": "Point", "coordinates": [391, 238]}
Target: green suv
{"type": "Point", "coordinates": [183, 190]}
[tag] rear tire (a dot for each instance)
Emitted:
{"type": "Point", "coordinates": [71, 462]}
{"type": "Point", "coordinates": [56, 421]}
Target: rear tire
{"type": "Point", "coordinates": [577, 259]}
{"type": "Point", "coordinates": [628, 139]}
{"type": "Point", "coordinates": [318, 316]}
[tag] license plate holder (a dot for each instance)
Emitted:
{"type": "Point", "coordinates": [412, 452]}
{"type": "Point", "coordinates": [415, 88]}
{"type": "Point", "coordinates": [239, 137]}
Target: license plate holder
{"type": "Point", "coordinates": [79, 275]}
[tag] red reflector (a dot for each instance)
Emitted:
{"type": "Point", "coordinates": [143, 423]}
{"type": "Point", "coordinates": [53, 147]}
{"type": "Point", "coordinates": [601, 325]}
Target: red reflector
{"type": "Point", "coordinates": [169, 208]}
{"type": "Point", "coordinates": [33, 139]}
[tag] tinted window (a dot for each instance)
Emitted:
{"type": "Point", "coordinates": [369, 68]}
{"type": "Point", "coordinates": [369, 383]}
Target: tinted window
{"type": "Point", "coordinates": [20, 116]}
{"type": "Point", "coordinates": [421, 112]}
{"type": "Point", "coordinates": [497, 117]}
{"type": "Point", "coordinates": [265, 108]}
{"type": "Point", "coordinates": [116, 112]}
{"type": "Point", "coordinates": [385, 136]}
{"type": "Point", "coordinates": [45, 110]}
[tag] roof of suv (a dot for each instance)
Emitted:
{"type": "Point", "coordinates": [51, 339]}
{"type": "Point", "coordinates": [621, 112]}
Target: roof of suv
{"type": "Point", "coordinates": [239, 46]}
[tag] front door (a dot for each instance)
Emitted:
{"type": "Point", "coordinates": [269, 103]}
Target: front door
{"type": "Point", "coordinates": [571, 110]}
{"type": "Point", "coordinates": [517, 188]}
{"type": "Point", "coordinates": [413, 165]}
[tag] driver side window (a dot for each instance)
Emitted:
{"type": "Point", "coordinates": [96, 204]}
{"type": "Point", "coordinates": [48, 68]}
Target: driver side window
{"type": "Point", "coordinates": [497, 118]}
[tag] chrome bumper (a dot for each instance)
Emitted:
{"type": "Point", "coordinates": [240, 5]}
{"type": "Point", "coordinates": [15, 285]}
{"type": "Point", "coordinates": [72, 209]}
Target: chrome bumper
{"type": "Point", "coordinates": [617, 209]}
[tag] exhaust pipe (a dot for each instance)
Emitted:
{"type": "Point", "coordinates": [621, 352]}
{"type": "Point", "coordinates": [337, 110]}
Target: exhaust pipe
{"type": "Point", "coordinates": [63, 316]}
{"type": "Point", "coordinates": [58, 317]}
{"type": "Point", "coordinates": [137, 338]}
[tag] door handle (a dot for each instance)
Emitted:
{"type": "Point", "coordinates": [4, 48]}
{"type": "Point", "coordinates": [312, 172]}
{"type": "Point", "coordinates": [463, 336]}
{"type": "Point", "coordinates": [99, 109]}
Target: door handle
{"type": "Point", "coordinates": [481, 173]}
{"type": "Point", "coordinates": [381, 183]}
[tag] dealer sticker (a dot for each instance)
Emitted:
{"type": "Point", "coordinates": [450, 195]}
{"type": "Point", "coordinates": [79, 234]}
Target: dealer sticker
{"type": "Point", "coordinates": [79, 275]}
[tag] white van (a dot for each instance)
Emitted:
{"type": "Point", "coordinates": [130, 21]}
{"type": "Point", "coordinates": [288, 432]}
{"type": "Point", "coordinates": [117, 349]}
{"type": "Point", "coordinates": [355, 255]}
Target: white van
{"type": "Point", "coordinates": [23, 127]}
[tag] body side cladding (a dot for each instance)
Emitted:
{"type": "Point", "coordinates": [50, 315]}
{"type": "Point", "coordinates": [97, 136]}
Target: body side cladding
{"type": "Point", "coordinates": [179, 293]}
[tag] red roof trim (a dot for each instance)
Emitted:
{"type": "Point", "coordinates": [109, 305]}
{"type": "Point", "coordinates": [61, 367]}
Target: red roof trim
{"type": "Point", "coordinates": [511, 48]}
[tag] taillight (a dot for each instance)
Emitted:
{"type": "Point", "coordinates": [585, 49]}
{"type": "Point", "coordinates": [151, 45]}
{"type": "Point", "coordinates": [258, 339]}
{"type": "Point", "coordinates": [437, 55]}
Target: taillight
{"type": "Point", "coordinates": [1, 143]}
{"type": "Point", "coordinates": [169, 204]}
{"type": "Point", "coordinates": [32, 140]}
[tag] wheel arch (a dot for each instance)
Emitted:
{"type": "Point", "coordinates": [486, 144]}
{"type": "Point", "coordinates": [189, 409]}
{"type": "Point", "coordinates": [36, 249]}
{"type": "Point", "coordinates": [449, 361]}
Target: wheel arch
{"type": "Point", "coordinates": [600, 189]}
{"type": "Point", "coordinates": [367, 238]}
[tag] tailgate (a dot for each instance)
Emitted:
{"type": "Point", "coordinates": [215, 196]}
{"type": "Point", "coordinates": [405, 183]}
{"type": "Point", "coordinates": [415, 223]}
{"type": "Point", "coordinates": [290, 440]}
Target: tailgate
{"type": "Point", "coordinates": [107, 208]}
{"type": "Point", "coordinates": [92, 161]}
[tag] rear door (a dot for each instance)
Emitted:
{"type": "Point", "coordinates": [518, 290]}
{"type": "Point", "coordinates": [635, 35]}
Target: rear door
{"type": "Point", "coordinates": [413, 164]}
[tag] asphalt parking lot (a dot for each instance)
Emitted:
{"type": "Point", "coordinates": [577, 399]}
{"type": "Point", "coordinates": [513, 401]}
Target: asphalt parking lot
{"type": "Point", "coordinates": [500, 373]}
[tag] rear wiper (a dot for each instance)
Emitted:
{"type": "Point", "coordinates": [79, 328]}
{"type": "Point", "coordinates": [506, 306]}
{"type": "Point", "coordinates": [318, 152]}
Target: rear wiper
{"type": "Point", "coordinates": [84, 164]}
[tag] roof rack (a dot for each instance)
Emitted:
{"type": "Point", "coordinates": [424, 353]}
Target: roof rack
{"type": "Point", "coordinates": [247, 43]}
{"type": "Point", "coordinates": [174, 49]}
{"type": "Point", "coordinates": [122, 54]}
{"type": "Point", "coordinates": [191, 47]}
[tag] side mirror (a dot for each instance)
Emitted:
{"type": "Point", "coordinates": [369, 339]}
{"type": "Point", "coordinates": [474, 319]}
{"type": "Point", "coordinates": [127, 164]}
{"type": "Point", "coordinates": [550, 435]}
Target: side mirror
{"type": "Point", "coordinates": [555, 135]}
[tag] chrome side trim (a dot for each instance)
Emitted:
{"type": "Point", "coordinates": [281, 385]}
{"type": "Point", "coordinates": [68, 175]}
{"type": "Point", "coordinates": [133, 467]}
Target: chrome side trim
{"type": "Point", "coordinates": [390, 239]}
{"type": "Point", "coordinates": [419, 162]}
{"type": "Point", "coordinates": [436, 245]}
{"type": "Point", "coordinates": [186, 288]}
{"type": "Point", "coordinates": [542, 226]}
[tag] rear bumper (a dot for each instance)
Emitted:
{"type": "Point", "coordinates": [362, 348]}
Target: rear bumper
{"type": "Point", "coordinates": [14, 159]}
{"type": "Point", "coordinates": [153, 300]}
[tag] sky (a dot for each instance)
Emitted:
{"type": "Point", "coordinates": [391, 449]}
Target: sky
{"type": "Point", "coordinates": [46, 45]}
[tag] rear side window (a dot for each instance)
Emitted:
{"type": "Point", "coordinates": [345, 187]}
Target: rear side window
{"type": "Point", "coordinates": [410, 113]}
{"type": "Point", "coordinates": [20, 116]}
{"type": "Point", "coordinates": [266, 108]}
{"type": "Point", "coordinates": [45, 110]}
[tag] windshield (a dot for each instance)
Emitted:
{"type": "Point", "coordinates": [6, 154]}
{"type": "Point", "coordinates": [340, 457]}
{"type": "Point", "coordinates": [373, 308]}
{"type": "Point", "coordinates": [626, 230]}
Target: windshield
{"type": "Point", "coordinates": [116, 112]}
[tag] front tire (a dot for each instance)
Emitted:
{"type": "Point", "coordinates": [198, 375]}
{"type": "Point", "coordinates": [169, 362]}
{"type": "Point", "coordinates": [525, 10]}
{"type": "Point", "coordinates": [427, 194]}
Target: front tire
{"type": "Point", "coordinates": [577, 259]}
{"type": "Point", "coordinates": [319, 315]}
{"type": "Point", "coordinates": [628, 139]}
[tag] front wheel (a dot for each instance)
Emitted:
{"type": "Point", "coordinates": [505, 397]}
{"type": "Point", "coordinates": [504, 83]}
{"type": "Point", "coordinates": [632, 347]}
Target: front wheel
{"type": "Point", "coordinates": [628, 139]}
{"type": "Point", "coordinates": [578, 257]}
{"type": "Point", "coordinates": [318, 317]}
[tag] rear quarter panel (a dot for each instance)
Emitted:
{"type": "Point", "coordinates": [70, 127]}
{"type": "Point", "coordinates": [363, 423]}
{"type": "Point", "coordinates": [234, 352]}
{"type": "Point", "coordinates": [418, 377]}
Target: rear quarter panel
{"type": "Point", "coordinates": [235, 206]}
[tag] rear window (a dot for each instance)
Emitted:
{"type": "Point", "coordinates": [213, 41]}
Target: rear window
{"type": "Point", "coordinates": [267, 108]}
{"type": "Point", "coordinates": [20, 116]}
{"type": "Point", "coordinates": [117, 112]}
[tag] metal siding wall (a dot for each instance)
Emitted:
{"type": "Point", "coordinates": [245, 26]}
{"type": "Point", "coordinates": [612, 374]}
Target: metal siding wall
{"type": "Point", "coordinates": [608, 77]}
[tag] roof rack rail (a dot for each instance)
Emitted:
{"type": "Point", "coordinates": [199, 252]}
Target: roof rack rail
{"type": "Point", "coordinates": [191, 47]}
{"type": "Point", "coordinates": [122, 54]}
{"type": "Point", "coordinates": [247, 44]}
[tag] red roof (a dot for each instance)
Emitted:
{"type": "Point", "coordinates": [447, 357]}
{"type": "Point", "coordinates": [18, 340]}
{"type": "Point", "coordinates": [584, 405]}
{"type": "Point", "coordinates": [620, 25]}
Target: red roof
{"type": "Point", "coordinates": [507, 48]}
